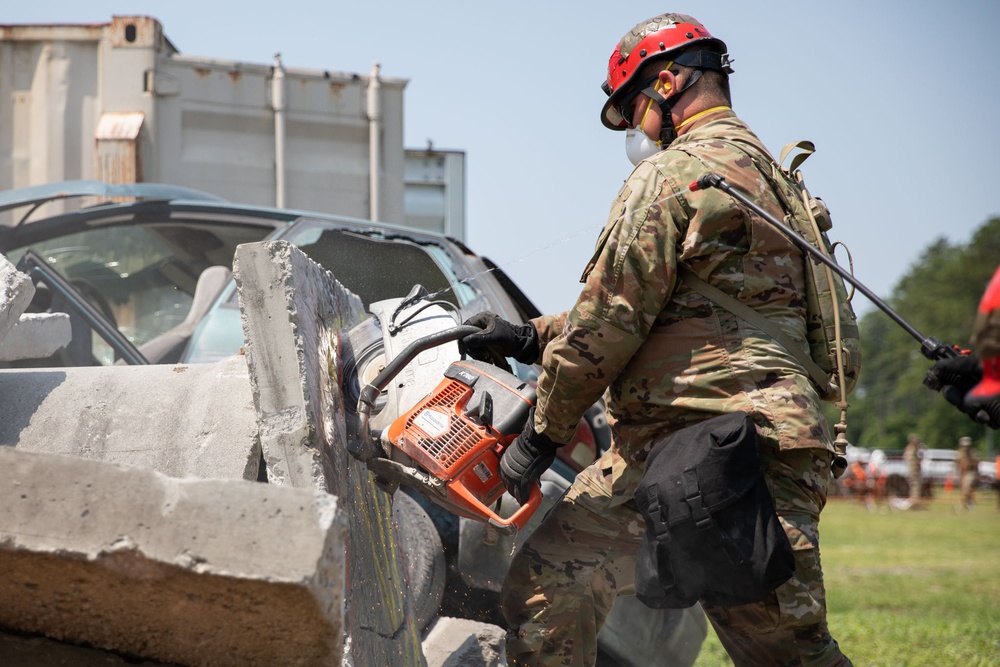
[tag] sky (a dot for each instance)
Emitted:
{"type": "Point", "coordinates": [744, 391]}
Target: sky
{"type": "Point", "coordinates": [899, 96]}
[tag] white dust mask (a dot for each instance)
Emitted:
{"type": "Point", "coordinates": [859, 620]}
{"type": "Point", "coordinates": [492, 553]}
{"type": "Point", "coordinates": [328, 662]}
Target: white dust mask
{"type": "Point", "coordinates": [638, 146]}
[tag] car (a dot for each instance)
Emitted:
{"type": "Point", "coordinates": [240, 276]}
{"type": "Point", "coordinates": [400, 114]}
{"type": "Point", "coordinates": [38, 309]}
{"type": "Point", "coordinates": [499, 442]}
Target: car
{"type": "Point", "coordinates": [148, 279]}
{"type": "Point", "coordinates": [139, 262]}
{"type": "Point", "coordinates": [144, 271]}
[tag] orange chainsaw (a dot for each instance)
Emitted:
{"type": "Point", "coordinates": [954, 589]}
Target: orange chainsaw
{"type": "Point", "coordinates": [448, 446]}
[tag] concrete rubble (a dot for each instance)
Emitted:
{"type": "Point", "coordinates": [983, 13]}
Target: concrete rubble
{"type": "Point", "coordinates": [459, 642]}
{"type": "Point", "coordinates": [26, 335]}
{"type": "Point", "coordinates": [188, 571]}
{"type": "Point", "coordinates": [135, 527]}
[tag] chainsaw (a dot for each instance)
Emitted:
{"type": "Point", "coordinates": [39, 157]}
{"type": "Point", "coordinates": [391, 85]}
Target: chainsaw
{"type": "Point", "coordinates": [447, 444]}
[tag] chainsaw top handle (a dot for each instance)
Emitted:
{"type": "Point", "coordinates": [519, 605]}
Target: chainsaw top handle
{"type": "Point", "coordinates": [368, 396]}
{"type": "Point", "coordinates": [366, 401]}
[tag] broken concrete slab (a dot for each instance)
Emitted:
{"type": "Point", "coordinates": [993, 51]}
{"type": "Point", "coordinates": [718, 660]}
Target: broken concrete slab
{"type": "Point", "coordinates": [293, 313]}
{"type": "Point", "coordinates": [459, 642]}
{"type": "Point", "coordinates": [187, 571]}
{"type": "Point", "coordinates": [182, 421]}
{"type": "Point", "coordinates": [26, 335]}
{"type": "Point", "coordinates": [36, 336]}
{"type": "Point", "coordinates": [16, 291]}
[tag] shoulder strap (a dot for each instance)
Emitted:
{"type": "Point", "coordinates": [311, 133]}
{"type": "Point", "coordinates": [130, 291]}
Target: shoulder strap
{"type": "Point", "coordinates": [745, 312]}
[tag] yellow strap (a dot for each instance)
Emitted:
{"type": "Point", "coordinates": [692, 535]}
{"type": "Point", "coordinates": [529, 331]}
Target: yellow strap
{"type": "Point", "coordinates": [703, 113]}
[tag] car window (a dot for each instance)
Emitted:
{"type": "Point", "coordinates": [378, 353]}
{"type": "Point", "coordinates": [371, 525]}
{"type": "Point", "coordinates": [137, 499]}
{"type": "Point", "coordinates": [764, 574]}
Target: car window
{"type": "Point", "coordinates": [376, 267]}
{"type": "Point", "coordinates": [141, 278]}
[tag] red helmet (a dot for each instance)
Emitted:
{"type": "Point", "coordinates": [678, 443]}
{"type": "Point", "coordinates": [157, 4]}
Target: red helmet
{"type": "Point", "coordinates": [660, 37]}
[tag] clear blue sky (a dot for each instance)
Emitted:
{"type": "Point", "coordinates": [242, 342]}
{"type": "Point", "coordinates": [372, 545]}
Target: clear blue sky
{"type": "Point", "coordinates": [899, 96]}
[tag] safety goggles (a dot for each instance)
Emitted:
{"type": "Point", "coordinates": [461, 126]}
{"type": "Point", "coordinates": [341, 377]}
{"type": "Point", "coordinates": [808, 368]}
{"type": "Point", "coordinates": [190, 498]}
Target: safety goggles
{"type": "Point", "coordinates": [626, 105]}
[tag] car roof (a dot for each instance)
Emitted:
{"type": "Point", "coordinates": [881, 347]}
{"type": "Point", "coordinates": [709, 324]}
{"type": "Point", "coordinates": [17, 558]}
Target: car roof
{"type": "Point", "coordinates": [152, 201]}
{"type": "Point", "coordinates": [42, 194]}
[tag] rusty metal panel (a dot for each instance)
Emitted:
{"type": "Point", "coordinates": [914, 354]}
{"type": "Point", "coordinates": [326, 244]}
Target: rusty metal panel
{"type": "Point", "coordinates": [116, 154]}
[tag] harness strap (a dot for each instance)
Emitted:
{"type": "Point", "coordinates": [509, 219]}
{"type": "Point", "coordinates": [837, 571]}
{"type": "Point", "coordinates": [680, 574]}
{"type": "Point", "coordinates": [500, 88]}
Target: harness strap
{"type": "Point", "coordinates": [658, 513]}
{"type": "Point", "coordinates": [745, 312]}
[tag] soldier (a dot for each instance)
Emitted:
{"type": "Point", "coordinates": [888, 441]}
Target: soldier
{"type": "Point", "coordinates": [912, 454]}
{"type": "Point", "coordinates": [967, 470]}
{"type": "Point", "coordinates": [668, 358]}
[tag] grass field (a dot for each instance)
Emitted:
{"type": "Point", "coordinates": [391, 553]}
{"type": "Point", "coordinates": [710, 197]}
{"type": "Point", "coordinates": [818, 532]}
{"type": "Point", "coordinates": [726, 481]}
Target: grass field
{"type": "Point", "coordinates": [909, 588]}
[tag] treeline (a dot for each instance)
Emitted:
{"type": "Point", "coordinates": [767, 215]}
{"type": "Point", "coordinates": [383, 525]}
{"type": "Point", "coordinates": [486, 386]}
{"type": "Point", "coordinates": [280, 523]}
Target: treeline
{"type": "Point", "coordinates": [939, 296]}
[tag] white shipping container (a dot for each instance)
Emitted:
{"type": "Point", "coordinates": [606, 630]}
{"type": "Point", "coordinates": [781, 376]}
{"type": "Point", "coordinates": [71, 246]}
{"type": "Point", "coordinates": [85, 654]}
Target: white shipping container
{"type": "Point", "coordinates": [117, 102]}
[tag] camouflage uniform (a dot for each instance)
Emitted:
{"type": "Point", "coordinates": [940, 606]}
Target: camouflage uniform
{"type": "Point", "coordinates": [967, 467]}
{"type": "Point", "coordinates": [668, 358]}
{"type": "Point", "coordinates": [911, 455]}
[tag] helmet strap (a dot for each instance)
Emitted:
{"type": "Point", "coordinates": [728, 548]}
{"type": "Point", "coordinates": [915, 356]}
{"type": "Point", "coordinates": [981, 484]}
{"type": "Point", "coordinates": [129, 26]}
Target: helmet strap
{"type": "Point", "coordinates": [667, 130]}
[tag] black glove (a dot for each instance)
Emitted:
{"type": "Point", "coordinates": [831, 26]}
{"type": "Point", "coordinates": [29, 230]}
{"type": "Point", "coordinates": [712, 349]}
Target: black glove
{"type": "Point", "coordinates": [962, 372]}
{"type": "Point", "coordinates": [955, 377]}
{"type": "Point", "coordinates": [500, 338]}
{"type": "Point", "coordinates": [986, 411]}
{"type": "Point", "coordinates": [526, 459]}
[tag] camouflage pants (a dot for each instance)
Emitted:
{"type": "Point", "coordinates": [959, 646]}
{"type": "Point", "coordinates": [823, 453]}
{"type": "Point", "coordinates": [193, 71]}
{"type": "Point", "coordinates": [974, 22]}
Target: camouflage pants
{"type": "Point", "coordinates": [564, 580]}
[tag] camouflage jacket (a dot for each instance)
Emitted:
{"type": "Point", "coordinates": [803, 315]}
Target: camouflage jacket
{"type": "Point", "coordinates": [666, 355]}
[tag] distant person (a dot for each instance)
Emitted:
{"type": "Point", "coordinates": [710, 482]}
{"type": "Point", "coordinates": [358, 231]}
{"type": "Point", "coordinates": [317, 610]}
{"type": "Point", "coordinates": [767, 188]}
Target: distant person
{"type": "Point", "coordinates": [861, 485]}
{"type": "Point", "coordinates": [912, 455]}
{"type": "Point", "coordinates": [996, 478]}
{"type": "Point", "coordinates": [967, 469]}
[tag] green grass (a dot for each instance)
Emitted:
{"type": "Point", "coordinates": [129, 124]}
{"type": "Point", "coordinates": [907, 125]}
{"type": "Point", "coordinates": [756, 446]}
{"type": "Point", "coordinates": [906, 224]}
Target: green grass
{"type": "Point", "coordinates": [909, 589]}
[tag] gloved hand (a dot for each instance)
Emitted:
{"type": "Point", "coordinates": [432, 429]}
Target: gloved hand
{"type": "Point", "coordinates": [963, 372]}
{"type": "Point", "coordinates": [985, 396]}
{"type": "Point", "coordinates": [500, 338]}
{"type": "Point", "coordinates": [526, 459]}
{"type": "Point", "coordinates": [954, 377]}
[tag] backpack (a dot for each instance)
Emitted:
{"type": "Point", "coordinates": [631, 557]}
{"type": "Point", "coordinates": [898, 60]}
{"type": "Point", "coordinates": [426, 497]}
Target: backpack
{"type": "Point", "coordinates": [711, 529]}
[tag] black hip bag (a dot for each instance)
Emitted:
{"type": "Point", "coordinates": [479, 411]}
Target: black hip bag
{"type": "Point", "coordinates": [711, 530]}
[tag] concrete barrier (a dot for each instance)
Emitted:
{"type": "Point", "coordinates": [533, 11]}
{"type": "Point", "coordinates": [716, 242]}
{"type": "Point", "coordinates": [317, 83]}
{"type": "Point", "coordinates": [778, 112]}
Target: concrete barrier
{"type": "Point", "coordinates": [182, 421]}
{"type": "Point", "coordinates": [293, 313]}
{"type": "Point", "coordinates": [187, 571]}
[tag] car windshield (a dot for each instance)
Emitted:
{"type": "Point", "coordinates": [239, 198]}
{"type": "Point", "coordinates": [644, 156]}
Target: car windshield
{"type": "Point", "coordinates": [141, 277]}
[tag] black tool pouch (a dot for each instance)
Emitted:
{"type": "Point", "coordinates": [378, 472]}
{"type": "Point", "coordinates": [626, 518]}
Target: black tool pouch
{"type": "Point", "coordinates": [711, 529]}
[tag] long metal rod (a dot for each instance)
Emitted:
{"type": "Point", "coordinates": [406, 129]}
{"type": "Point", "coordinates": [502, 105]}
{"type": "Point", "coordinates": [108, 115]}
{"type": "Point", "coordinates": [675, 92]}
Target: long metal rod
{"type": "Point", "coordinates": [930, 347]}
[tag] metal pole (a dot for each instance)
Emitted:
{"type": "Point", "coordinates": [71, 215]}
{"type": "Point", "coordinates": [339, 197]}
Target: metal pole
{"type": "Point", "coordinates": [278, 105]}
{"type": "Point", "coordinates": [931, 347]}
{"type": "Point", "coordinates": [374, 139]}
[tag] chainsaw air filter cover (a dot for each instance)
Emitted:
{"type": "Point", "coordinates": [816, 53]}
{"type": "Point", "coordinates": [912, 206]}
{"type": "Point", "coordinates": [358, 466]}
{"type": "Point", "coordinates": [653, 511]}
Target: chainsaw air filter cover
{"type": "Point", "coordinates": [459, 431]}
